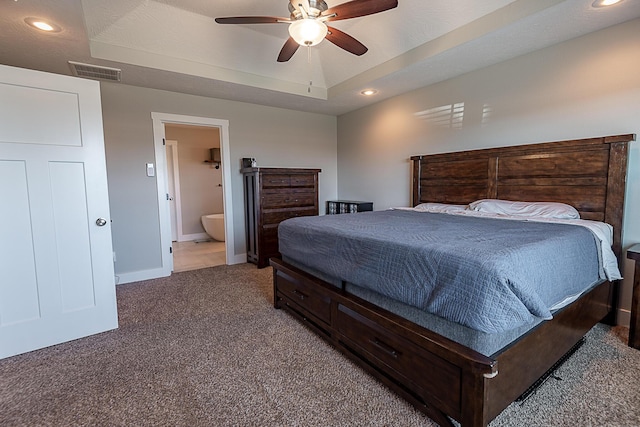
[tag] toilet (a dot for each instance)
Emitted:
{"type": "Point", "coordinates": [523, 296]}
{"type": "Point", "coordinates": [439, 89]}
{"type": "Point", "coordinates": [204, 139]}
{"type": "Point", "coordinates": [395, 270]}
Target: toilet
{"type": "Point", "coordinates": [214, 226]}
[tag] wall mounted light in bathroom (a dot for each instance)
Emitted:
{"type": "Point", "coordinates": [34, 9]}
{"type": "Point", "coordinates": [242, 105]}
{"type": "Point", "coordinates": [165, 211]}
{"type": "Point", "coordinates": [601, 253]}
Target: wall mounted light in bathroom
{"type": "Point", "coordinates": [214, 157]}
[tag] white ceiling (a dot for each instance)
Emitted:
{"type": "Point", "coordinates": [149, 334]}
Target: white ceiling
{"type": "Point", "coordinates": [176, 45]}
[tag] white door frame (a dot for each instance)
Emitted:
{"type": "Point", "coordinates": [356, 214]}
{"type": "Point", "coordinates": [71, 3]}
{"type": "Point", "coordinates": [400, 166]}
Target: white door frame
{"type": "Point", "coordinates": [159, 120]}
{"type": "Point", "coordinates": [173, 146]}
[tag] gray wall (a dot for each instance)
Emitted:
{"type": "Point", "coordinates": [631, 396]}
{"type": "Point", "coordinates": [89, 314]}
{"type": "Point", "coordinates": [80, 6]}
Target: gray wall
{"type": "Point", "coordinates": [586, 87]}
{"type": "Point", "coordinates": [274, 136]}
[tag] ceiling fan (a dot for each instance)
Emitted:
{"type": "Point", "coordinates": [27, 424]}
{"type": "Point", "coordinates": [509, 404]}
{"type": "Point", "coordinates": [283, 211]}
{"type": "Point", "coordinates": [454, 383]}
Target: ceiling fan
{"type": "Point", "coordinates": [307, 23]}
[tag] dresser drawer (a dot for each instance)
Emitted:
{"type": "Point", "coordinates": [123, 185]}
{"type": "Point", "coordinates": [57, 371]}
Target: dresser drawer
{"type": "Point", "coordinates": [282, 180]}
{"type": "Point", "coordinates": [279, 216]}
{"type": "Point", "coordinates": [270, 233]}
{"type": "Point", "coordinates": [269, 250]}
{"type": "Point", "coordinates": [268, 246]}
{"type": "Point", "coordinates": [274, 201]}
{"type": "Point", "coordinates": [283, 191]}
{"type": "Point", "coordinates": [305, 297]}
{"type": "Point", "coordinates": [274, 180]}
{"type": "Point", "coordinates": [414, 363]}
{"type": "Point", "coordinates": [303, 180]}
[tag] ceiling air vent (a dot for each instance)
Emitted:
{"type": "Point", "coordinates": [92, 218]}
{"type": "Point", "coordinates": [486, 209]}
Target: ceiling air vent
{"type": "Point", "coordinates": [95, 71]}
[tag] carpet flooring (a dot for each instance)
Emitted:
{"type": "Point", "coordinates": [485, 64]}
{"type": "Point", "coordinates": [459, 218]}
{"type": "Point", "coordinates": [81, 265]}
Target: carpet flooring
{"type": "Point", "coordinates": [207, 348]}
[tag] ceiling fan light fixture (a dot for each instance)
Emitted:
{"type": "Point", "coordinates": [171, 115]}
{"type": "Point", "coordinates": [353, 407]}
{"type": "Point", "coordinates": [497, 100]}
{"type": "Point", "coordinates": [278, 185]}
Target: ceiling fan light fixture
{"type": "Point", "coordinates": [308, 31]}
{"type": "Point", "coordinates": [605, 3]}
{"type": "Point", "coordinates": [307, 23]}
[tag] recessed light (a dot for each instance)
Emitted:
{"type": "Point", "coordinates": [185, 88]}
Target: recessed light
{"type": "Point", "coordinates": [43, 25]}
{"type": "Point", "coordinates": [605, 3]}
{"type": "Point", "coordinates": [369, 92]}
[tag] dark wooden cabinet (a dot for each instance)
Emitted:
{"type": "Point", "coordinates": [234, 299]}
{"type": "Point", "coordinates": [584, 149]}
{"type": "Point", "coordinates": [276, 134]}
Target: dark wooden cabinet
{"type": "Point", "coordinates": [271, 196]}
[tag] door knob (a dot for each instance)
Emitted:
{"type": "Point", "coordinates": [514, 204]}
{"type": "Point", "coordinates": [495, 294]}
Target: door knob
{"type": "Point", "coordinates": [101, 222]}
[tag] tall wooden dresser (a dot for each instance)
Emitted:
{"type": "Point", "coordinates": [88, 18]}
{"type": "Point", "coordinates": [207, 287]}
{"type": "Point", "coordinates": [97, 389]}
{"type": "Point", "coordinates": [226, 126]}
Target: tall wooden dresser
{"type": "Point", "coordinates": [271, 196]}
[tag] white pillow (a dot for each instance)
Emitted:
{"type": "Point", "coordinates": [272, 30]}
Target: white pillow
{"type": "Point", "coordinates": [440, 207]}
{"type": "Point", "coordinates": [539, 209]}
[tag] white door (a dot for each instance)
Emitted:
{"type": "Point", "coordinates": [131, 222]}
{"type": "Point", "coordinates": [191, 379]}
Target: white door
{"type": "Point", "coordinates": [56, 256]}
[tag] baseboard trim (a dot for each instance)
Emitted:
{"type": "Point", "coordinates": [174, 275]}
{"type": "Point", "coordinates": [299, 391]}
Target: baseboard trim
{"type": "Point", "coordinates": [237, 259]}
{"type": "Point", "coordinates": [192, 237]}
{"type": "Point", "coordinates": [623, 317]}
{"type": "Point", "coordinates": [136, 276]}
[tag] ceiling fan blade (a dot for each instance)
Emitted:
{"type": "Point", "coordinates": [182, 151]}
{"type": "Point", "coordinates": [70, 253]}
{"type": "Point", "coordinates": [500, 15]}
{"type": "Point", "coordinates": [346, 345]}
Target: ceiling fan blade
{"type": "Point", "coordinates": [290, 47]}
{"type": "Point", "coordinates": [356, 8]}
{"type": "Point", "coordinates": [345, 41]}
{"type": "Point", "coordinates": [251, 20]}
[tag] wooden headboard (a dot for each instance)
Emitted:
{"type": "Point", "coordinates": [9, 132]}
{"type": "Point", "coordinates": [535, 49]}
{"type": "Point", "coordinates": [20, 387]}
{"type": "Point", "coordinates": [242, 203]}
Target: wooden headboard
{"type": "Point", "coordinates": [588, 174]}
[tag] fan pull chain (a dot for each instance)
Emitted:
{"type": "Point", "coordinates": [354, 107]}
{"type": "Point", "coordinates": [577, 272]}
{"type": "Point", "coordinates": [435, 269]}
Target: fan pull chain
{"type": "Point", "coordinates": [310, 70]}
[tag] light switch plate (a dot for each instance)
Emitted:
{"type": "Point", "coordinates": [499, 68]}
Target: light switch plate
{"type": "Point", "coordinates": [151, 171]}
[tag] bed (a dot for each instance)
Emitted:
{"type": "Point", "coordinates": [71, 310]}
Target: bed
{"type": "Point", "coordinates": [436, 364]}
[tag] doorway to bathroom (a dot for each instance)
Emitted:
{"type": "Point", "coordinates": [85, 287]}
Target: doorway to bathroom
{"type": "Point", "coordinates": [171, 250]}
{"type": "Point", "coordinates": [194, 182]}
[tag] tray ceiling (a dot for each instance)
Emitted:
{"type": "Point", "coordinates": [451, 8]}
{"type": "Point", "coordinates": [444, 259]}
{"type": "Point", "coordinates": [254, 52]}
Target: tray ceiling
{"type": "Point", "coordinates": [176, 45]}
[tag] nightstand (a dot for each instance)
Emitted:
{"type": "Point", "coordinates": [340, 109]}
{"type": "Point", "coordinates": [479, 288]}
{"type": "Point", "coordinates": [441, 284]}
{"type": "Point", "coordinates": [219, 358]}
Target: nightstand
{"type": "Point", "coordinates": [634, 328]}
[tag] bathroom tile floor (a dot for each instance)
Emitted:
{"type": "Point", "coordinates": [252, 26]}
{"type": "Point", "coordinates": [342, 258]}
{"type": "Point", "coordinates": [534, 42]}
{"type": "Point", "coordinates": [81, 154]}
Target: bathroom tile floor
{"type": "Point", "coordinates": [194, 256]}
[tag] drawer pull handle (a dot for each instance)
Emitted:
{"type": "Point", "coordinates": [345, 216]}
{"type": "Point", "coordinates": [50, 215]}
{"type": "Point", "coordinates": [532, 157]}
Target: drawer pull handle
{"type": "Point", "coordinates": [300, 295]}
{"type": "Point", "coordinates": [385, 347]}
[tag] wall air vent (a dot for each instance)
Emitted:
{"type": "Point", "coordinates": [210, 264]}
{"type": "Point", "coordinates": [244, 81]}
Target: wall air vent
{"type": "Point", "coordinates": [95, 71]}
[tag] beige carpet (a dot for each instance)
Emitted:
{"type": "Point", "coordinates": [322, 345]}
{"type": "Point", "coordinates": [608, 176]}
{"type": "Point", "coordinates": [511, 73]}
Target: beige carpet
{"type": "Point", "coordinates": [207, 348]}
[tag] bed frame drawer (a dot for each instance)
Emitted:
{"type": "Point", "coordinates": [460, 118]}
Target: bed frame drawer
{"type": "Point", "coordinates": [306, 297]}
{"type": "Point", "coordinates": [427, 371]}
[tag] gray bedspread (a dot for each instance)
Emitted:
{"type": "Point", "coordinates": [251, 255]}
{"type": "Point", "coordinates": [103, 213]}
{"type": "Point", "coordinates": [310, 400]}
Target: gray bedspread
{"type": "Point", "coordinates": [488, 274]}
